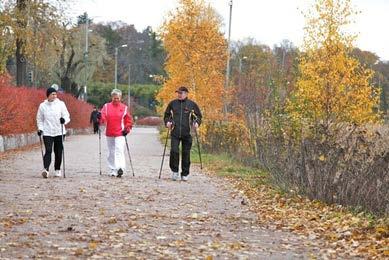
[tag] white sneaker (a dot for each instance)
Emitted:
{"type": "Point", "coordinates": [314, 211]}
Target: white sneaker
{"type": "Point", "coordinates": [57, 173]}
{"type": "Point", "coordinates": [45, 173]}
{"type": "Point", "coordinates": [175, 176]}
{"type": "Point", "coordinates": [112, 173]}
{"type": "Point", "coordinates": [185, 178]}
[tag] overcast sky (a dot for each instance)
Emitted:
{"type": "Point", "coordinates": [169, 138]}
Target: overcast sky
{"type": "Point", "coordinates": [267, 21]}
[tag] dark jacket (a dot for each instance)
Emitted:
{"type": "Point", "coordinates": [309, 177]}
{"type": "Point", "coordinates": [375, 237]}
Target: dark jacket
{"type": "Point", "coordinates": [93, 116]}
{"type": "Point", "coordinates": [182, 113]}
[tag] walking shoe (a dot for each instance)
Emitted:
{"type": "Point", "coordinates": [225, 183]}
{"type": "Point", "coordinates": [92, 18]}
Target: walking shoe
{"type": "Point", "coordinates": [45, 173]}
{"type": "Point", "coordinates": [120, 173]}
{"type": "Point", "coordinates": [185, 178]}
{"type": "Point", "coordinates": [57, 173]}
{"type": "Point", "coordinates": [175, 176]}
{"type": "Point", "coordinates": [112, 173]}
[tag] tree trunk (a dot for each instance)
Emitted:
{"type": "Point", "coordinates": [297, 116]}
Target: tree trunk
{"type": "Point", "coordinates": [21, 63]}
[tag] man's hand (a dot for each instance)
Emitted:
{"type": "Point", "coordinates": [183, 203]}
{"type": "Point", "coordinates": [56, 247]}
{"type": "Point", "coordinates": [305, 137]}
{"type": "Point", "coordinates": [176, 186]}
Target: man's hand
{"type": "Point", "coordinates": [169, 125]}
{"type": "Point", "coordinates": [195, 125]}
{"type": "Point", "coordinates": [62, 120]}
{"type": "Point", "coordinates": [124, 132]}
{"type": "Point", "coordinates": [40, 132]}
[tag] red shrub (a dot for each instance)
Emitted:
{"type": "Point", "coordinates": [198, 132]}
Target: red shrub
{"type": "Point", "coordinates": [19, 105]}
{"type": "Point", "coordinates": [150, 120]}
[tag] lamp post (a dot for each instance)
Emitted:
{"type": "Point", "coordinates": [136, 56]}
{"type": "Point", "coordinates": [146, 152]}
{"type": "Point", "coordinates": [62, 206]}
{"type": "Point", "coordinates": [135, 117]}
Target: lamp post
{"type": "Point", "coordinates": [228, 54]}
{"type": "Point", "coordinates": [129, 86]}
{"type": "Point", "coordinates": [116, 62]}
{"type": "Point", "coordinates": [86, 53]}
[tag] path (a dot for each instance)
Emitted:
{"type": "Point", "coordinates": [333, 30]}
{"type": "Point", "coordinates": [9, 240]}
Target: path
{"type": "Point", "coordinates": [91, 216]}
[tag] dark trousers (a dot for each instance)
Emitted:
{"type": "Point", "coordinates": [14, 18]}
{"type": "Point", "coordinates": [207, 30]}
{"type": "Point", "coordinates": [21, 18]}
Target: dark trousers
{"type": "Point", "coordinates": [186, 143]}
{"type": "Point", "coordinates": [58, 148]}
{"type": "Point", "coordinates": [95, 127]}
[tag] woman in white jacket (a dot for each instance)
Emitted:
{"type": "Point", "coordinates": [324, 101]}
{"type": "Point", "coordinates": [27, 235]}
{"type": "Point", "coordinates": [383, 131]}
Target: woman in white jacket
{"type": "Point", "coordinates": [52, 113]}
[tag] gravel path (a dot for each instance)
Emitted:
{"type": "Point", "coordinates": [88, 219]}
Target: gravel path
{"type": "Point", "coordinates": [88, 215]}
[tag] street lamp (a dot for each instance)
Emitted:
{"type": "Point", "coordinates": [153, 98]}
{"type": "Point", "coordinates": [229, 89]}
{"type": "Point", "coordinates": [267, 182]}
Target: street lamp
{"type": "Point", "coordinates": [116, 62]}
{"type": "Point", "coordinates": [228, 55]}
{"type": "Point", "coordinates": [86, 53]}
{"type": "Point", "coordinates": [129, 86]}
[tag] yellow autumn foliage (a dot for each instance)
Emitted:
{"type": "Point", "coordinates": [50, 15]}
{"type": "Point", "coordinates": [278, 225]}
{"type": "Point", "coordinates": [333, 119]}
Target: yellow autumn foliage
{"type": "Point", "coordinates": [196, 55]}
{"type": "Point", "coordinates": [332, 86]}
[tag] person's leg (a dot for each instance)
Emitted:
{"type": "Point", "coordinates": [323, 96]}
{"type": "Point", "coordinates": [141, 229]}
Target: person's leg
{"type": "Point", "coordinates": [174, 154]}
{"type": "Point", "coordinates": [111, 153]}
{"type": "Point", "coordinates": [120, 160]}
{"type": "Point", "coordinates": [48, 141]}
{"type": "Point", "coordinates": [58, 149]}
{"type": "Point", "coordinates": [185, 161]}
{"type": "Point", "coordinates": [95, 127]}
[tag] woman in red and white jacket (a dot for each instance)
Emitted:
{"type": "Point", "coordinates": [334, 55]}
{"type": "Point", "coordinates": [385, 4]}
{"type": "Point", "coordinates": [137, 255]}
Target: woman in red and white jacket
{"type": "Point", "coordinates": [118, 122]}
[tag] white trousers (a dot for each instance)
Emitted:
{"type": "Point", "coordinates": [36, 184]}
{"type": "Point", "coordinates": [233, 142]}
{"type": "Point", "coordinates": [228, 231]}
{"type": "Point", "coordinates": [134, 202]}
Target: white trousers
{"type": "Point", "coordinates": [116, 159]}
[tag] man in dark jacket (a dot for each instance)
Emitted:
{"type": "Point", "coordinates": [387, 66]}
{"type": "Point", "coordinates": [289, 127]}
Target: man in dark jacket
{"type": "Point", "coordinates": [94, 120]}
{"type": "Point", "coordinates": [180, 115]}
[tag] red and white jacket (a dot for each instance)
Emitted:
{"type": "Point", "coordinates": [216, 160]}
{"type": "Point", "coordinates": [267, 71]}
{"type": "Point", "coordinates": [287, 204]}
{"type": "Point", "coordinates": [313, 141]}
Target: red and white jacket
{"type": "Point", "coordinates": [117, 118]}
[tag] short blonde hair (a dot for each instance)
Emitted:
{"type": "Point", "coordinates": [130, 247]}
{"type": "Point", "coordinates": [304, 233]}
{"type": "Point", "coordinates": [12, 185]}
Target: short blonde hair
{"type": "Point", "coordinates": [117, 92]}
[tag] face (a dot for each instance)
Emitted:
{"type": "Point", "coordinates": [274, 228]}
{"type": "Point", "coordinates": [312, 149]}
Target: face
{"type": "Point", "coordinates": [116, 99]}
{"type": "Point", "coordinates": [52, 97]}
{"type": "Point", "coordinates": [182, 95]}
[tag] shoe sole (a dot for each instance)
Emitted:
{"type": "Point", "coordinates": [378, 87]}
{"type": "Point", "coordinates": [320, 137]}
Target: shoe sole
{"type": "Point", "coordinates": [120, 173]}
{"type": "Point", "coordinates": [44, 174]}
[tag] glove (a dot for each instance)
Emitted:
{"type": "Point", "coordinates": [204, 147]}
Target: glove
{"type": "Point", "coordinates": [62, 120]}
{"type": "Point", "coordinates": [124, 133]}
{"type": "Point", "coordinates": [98, 116]}
{"type": "Point", "coordinates": [40, 132]}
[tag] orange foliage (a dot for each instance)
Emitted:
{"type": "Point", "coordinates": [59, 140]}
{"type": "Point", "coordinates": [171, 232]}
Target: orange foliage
{"type": "Point", "coordinates": [197, 54]}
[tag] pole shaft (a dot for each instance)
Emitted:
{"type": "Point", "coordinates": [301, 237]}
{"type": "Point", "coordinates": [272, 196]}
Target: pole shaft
{"type": "Point", "coordinates": [100, 148]}
{"type": "Point", "coordinates": [164, 151]}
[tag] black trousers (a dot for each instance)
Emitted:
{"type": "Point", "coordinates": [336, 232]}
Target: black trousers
{"type": "Point", "coordinates": [58, 148]}
{"type": "Point", "coordinates": [95, 127]}
{"type": "Point", "coordinates": [186, 143]}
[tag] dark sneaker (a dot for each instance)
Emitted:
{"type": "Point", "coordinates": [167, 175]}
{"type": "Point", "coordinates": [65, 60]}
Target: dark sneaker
{"type": "Point", "coordinates": [45, 173]}
{"type": "Point", "coordinates": [120, 173]}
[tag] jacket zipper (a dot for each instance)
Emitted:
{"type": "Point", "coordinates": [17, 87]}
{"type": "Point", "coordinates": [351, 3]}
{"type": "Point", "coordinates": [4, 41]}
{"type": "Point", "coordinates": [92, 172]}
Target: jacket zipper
{"type": "Point", "coordinates": [180, 117]}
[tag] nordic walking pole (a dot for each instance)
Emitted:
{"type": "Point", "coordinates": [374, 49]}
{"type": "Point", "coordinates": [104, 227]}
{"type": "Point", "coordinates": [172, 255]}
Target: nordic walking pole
{"type": "Point", "coordinates": [129, 155]}
{"type": "Point", "coordinates": [63, 152]}
{"type": "Point", "coordinates": [164, 151]}
{"type": "Point", "coordinates": [100, 148]}
{"type": "Point", "coordinates": [197, 140]}
{"type": "Point", "coordinates": [43, 160]}
{"type": "Point", "coordinates": [198, 146]}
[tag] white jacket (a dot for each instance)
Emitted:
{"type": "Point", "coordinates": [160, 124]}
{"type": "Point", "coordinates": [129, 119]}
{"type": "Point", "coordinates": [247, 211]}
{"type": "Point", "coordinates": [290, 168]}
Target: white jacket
{"type": "Point", "coordinates": [48, 117]}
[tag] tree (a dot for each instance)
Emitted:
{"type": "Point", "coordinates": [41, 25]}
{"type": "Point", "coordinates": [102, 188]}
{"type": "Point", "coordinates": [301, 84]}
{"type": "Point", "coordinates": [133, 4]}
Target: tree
{"type": "Point", "coordinates": [332, 86]}
{"type": "Point", "coordinates": [31, 27]}
{"type": "Point", "coordinates": [196, 51]}
{"type": "Point", "coordinates": [6, 38]}
{"type": "Point", "coordinates": [71, 69]}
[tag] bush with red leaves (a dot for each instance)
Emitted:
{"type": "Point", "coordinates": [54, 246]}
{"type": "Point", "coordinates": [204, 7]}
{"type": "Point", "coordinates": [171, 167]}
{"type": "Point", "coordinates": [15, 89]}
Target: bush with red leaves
{"type": "Point", "coordinates": [150, 121]}
{"type": "Point", "coordinates": [19, 105]}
